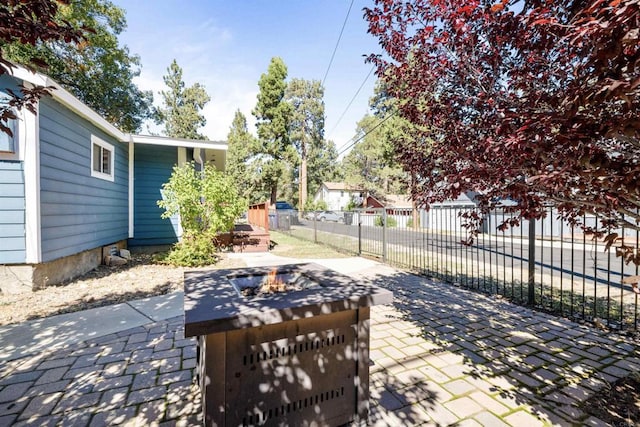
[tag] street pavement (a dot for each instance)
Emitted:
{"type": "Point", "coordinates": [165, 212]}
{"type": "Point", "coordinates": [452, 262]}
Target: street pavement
{"type": "Point", "coordinates": [441, 355]}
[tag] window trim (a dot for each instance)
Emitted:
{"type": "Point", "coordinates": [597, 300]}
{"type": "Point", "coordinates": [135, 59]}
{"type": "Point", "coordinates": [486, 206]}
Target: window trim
{"type": "Point", "coordinates": [105, 146]}
{"type": "Point", "coordinates": [13, 154]}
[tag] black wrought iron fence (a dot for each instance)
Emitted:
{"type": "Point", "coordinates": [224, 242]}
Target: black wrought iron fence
{"type": "Point", "coordinates": [546, 264]}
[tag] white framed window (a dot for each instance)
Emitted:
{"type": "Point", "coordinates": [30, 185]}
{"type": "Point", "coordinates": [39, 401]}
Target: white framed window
{"type": "Point", "coordinates": [102, 159]}
{"type": "Point", "coordinates": [8, 143]}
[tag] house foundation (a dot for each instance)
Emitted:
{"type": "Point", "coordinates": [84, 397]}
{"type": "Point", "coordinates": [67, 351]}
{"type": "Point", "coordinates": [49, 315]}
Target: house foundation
{"type": "Point", "coordinates": [20, 278]}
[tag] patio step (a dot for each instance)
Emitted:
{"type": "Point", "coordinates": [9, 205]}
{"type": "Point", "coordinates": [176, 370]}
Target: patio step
{"type": "Point", "coordinates": [247, 238]}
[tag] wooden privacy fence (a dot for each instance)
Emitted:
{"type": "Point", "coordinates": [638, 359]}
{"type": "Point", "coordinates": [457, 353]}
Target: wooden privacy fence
{"type": "Point", "coordinates": [259, 215]}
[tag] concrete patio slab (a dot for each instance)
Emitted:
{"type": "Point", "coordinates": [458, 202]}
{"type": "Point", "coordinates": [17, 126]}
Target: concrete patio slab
{"type": "Point", "coordinates": [347, 265]}
{"type": "Point", "coordinates": [35, 336]}
{"type": "Point", "coordinates": [63, 330]}
{"type": "Point", "coordinates": [161, 307]}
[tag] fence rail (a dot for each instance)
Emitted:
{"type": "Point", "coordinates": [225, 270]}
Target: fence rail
{"type": "Point", "coordinates": [546, 264]}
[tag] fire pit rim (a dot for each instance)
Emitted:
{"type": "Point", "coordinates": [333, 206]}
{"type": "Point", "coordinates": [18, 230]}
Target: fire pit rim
{"type": "Point", "coordinates": [231, 311]}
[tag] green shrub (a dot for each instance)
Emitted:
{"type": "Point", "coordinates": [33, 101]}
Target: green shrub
{"type": "Point", "coordinates": [410, 223]}
{"type": "Point", "coordinates": [208, 203]}
{"type": "Point", "coordinates": [192, 251]}
{"type": "Point", "coordinates": [391, 221]}
{"type": "Point", "coordinates": [351, 205]}
{"type": "Point", "coordinates": [311, 206]}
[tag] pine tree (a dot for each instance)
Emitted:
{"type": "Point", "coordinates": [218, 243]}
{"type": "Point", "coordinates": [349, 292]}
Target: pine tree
{"type": "Point", "coordinates": [274, 152]}
{"type": "Point", "coordinates": [240, 143]}
{"type": "Point", "coordinates": [307, 126]}
{"type": "Point", "coordinates": [182, 112]}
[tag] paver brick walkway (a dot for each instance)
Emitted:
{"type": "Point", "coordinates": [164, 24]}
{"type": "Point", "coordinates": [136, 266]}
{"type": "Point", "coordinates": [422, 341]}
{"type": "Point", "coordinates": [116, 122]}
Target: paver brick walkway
{"type": "Point", "coordinates": [141, 376]}
{"type": "Point", "coordinates": [441, 356]}
{"type": "Point", "coordinates": [445, 355]}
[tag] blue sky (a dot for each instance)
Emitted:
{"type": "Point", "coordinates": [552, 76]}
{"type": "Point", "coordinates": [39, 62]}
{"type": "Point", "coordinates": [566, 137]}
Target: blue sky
{"type": "Point", "coordinates": [226, 45]}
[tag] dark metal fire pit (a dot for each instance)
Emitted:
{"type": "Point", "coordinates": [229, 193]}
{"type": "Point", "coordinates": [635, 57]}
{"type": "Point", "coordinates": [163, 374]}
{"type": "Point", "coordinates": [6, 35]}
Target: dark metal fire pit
{"type": "Point", "coordinates": [299, 357]}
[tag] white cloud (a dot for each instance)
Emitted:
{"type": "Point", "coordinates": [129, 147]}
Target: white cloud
{"type": "Point", "coordinates": [225, 101]}
{"type": "Point", "coordinates": [227, 96]}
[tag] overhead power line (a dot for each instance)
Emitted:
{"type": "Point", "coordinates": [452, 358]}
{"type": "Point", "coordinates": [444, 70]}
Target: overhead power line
{"type": "Point", "coordinates": [344, 149]}
{"type": "Point", "coordinates": [337, 43]}
{"type": "Point", "coordinates": [352, 99]}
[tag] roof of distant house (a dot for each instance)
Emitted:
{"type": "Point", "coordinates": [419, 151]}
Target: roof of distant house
{"type": "Point", "coordinates": [398, 200]}
{"type": "Point", "coordinates": [390, 201]}
{"type": "Point", "coordinates": [341, 186]}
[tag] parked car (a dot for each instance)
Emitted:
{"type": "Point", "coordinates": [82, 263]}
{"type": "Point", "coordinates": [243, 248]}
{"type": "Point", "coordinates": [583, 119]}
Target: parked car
{"type": "Point", "coordinates": [326, 216]}
{"type": "Point", "coordinates": [283, 207]}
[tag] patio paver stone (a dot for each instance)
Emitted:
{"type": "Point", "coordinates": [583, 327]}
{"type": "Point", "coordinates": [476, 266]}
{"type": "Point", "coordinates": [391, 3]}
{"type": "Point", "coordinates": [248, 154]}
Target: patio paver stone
{"type": "Point", "coordinates": [441, 355]}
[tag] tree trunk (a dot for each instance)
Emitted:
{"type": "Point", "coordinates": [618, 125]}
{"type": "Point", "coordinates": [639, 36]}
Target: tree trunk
{"type": "Point", "coordinates": [302, 193]}
{"type": "Point", "coordinates": [302, 185]}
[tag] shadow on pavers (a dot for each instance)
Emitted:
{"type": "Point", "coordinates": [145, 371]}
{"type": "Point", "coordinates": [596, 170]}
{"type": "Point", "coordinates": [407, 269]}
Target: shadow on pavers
{"type": "Point", "coordinates": [533, 367]}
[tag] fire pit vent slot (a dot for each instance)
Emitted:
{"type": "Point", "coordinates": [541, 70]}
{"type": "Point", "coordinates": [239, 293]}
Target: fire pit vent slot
{"type": "Point", "coordinates": [263, 416]}
{"type": "Point", "coordinates": [295, 348]}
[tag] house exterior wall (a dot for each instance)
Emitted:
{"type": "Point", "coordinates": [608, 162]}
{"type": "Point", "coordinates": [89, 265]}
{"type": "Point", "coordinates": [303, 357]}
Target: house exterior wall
{"type": "Point", "coordinates": [12, 197]}
{"type": "Point", "coordinates": [78, 212]}
{"type": "Point", "coordinates": [12, 213]}
{"type": "Point", "coordinates": [153, 165]}
{"type": "Point", "coordinates": [336, 200]}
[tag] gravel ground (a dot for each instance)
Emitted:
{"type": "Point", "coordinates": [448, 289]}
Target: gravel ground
{"type": "Point", "coordinates": [141, 278]}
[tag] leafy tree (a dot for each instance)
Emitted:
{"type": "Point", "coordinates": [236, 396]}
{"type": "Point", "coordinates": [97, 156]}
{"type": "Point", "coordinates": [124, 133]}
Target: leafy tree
{"type": "Point", "coordinates": [274, 152]}
{"type": "Point", "coordinates": [390, 221]}
{"type": "Point", "coordinates": [97, 69]}
{"type": "Point", "coordinates": [310, 205]}
{"type": "Point", "coordinates": [371, 164]}
{"type": "Point", "coordinates": [182, 111]}
{"type": "Point", "coordinates": [238, 165]}
{"type": "Point", "coordinates": [323, 166]}
{"type": "Point", "coordinates": [307, 125]}
{"type": "Point", "coordinates": [208, 203]}
{"type": "Point", "coordinates": [30, 23]}
{"type": "Point", "coordinates": [531, 101]}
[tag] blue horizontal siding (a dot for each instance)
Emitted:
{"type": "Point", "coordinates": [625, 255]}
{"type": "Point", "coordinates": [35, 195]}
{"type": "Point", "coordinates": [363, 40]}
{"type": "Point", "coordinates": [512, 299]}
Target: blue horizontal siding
{"type": "Point", "coordinates": [10, 244]}
{"type": "Point", "coordinates": [11, 230]}
{"type": "Point", "coordinates": [14, 217]}
{"type": "Point", "coordinates": [12, 204]}
{"type": "Point", "coordinates": [12, 213]}
{"type": "Point", "coordinates": [13, 257]}
{"type": "Point", "coordinates": [78, 211]}
{"type": "Point", "coordinates": [152, 168]}
{"type": "Point", "coordinates": [12, 190]}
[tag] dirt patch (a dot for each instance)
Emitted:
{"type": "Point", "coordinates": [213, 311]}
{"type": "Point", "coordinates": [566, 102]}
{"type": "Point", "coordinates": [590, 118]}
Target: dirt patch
{"type": "Point", "coordinates": [142, 277]}
{"type": "Point", "coordinates": [617, 404]}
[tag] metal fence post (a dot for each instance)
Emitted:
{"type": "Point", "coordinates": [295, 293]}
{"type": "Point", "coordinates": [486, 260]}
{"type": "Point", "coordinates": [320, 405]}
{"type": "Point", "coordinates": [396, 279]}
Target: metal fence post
{"type": "Point", "coordinates": [359, 235]}
{"type": "Point", "coordinates": [315, 228]}
{"type": "Point", "coordinates": [531, 297]}
{"type": "Point", "coordinates": [384, 235]}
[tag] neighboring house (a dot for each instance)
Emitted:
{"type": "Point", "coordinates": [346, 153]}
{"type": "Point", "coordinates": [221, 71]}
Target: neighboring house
{"type": "Point", "coordinates": [400, 207]}
{"type": "Point", "coordinates": [389, 201]}
{"type": "Point", "coordinates": [466, 199]}
{"type": "Point", "coordinates": [337, 195]}
{"type": "Point", "coordinates": [72, 184]}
